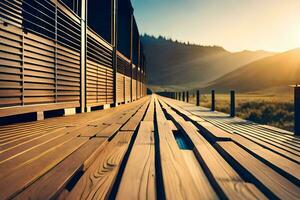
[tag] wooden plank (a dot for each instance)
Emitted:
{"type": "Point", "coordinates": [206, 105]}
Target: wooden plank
{"type": "Point", "coordinates": [50, 185]}
{"type": "Point", "coordinates": [20, 140]}
{"type": "Point", "coordinates": [13, 163]}
{"type": "Point", "coordinates": [286, 141]}
{"type": "Point", "coordinates": [213, 132]}
{"type": "Point", "coordinates": [172, 126]}
{"type": "Point", "coordinates": [134, 121]}
{"type": "Point", "coordinates": [22, 148]}
{"type": "Point", "coordinates": [282, 139]}
{"type": "Point", "coordinates": [178, 181]}
{"type": "Point", "coordinates": [123, 114]}
{"type": "Point", "coordinates": [227, 182]}
{"type": "Point", "coordinates": [265, 143]}
{"type": "Point", "coordinates": [267, 179]}
{"type": "Point", "coordinates": [31, 171]}
{"type": "Point", "coordinates": [198, 174]}
{"type": "Point", "coordinates": [109, 130]}
{"type": "Point", "coordinates": [196, 118]}
{"type": "Point", "coordinates": [159, 112]}
{"type": "Point", "coordinates": [150, 112]}
{"type": "Point", "coordinates": [91, 131]}
{"type": "Point", "coordinates": [222, 175]}
{"type": "Point", "coordinates": [96, 183]}
{"type": "Point", "coordinates": [286, 167]}
{"type": "Point", "coordinates": [138, 180]}
{"type": "Point", "coordinates": [234, 125]}
{"type": "Point", "coordinates": [123, 118]}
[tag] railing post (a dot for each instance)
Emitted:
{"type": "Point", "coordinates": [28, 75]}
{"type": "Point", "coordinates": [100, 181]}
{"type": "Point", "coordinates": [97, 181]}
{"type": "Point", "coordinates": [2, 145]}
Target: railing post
{"type": "Point", "coordinates": [232, 103]}
{"type": "Point", "coordinates": [213, 100]}
{"type": "Point", "coordinates": [187, 96]}
{"type": "Point", "coordinates": [179, 94]}
{"type": "Point", "coordinates": [198, 98]}
{"type": "Point", "coordinates": [297, 109]}
{"type": "Point", "coordinates": [83, 57]}
{"type": "Point", "coordinates": [183, 96]}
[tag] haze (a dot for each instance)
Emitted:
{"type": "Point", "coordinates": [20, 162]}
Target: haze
{"type": "Point", "coordinates": [236, 25]}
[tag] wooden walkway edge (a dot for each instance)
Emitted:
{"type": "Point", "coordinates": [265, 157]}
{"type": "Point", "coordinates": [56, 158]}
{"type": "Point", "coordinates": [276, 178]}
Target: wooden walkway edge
{"type": "Point", "coordinates": [153, 148]}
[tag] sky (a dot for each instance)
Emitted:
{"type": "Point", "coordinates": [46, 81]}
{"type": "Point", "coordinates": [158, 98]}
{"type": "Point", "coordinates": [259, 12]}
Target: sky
{"type": "Point", "coordinates": [236, 25]}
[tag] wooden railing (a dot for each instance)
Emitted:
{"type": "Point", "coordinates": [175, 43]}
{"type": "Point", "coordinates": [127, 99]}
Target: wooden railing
{"type": "Point", "coordinates": [184, 96]}
{"type": "Point", "coordinates": [41, 58]}
{"type": "Point", "coordinates": [99, 71]}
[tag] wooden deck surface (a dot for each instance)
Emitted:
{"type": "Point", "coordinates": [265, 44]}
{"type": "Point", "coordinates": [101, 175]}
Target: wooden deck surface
{"type": "Point", "coordinates": [153, 148]}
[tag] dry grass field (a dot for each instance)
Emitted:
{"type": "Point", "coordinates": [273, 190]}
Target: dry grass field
{"type": "Point", "coordinates": [275, 110]}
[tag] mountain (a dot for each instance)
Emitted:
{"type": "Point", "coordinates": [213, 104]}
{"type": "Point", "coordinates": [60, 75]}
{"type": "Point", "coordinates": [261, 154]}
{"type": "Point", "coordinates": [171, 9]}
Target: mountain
{"type": "Point", "coordinates": [172, 63]}
{"type": "Point", "coordinates": [276, 72]}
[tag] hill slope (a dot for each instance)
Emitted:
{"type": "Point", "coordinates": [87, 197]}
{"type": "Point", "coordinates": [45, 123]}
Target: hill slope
{"type": "Point", "coordinates": [276, 71]}
{"type": "Point", "coordinates": [173, 63]}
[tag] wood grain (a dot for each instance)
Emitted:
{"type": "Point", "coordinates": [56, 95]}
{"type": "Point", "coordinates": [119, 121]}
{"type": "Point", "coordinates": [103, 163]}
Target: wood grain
{"type": "Point", "coordinates": [49, 185]}
{"type": "Point", "coordinates": [274, 182]}
{"type": "Point", "coordinates": [178, 181]}
{"type": "Point", "coordinates": [138, 180]}
{"type": "Point", "coordinates": [31, 171]}
{"type": "Point", "coordinates": [97, 181]}
{"type": "Point", "coordinates": [228, 183]}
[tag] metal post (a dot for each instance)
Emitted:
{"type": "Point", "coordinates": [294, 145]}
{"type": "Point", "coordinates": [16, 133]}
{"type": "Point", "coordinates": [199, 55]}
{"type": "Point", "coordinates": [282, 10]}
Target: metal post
{"type": "Point", "coordinates": [183, 96]}
{"type": "Point", "coordinates": [187, 96]}
{"type": "Point", "coordinates": [83, 57]}
{"type": "Point", "coordinates": [297, 109]}
{"type": "Point", "coordinates": [232, 103]}
{"type": "Point", "coordinates": [213, 100]}
{"type": "Point", "coordinates": [179, 95]}
{"type": "Point", "coordinates": [131, 54]}
{"type": "Point", "coordinates": [198, 98]}
{"type": "Point", "coordinates": [114, 35]}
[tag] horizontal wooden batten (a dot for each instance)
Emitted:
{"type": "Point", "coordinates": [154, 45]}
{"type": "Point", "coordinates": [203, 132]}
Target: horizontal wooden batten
{"type": "Point", "coordinates": [99, 72]}
{"type": "Point", "coordinates": [66, 10]}
{"type": "Point", "coordinates": [99, 39]}
{"type": "Point", "coordinates": [16, 110]}
{"type": "Point", "coordinates": [123, 57]}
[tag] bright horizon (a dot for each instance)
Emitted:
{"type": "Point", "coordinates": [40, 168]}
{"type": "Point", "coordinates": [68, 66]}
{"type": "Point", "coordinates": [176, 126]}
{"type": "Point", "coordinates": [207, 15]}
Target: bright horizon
{"type": "Point", "coordinates": [236, 25]}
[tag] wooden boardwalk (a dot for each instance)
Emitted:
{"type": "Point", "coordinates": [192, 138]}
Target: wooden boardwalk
{"type": "Point", "coordinates": [153, 148]}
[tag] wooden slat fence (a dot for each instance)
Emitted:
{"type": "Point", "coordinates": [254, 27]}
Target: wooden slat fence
{"type": "Point", "coordinates": [41, 58]}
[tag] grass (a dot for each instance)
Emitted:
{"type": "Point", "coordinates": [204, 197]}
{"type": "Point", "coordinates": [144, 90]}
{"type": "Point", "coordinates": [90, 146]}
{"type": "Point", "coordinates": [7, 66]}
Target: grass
{"type": "Point", "coordinates": [273, 110]}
